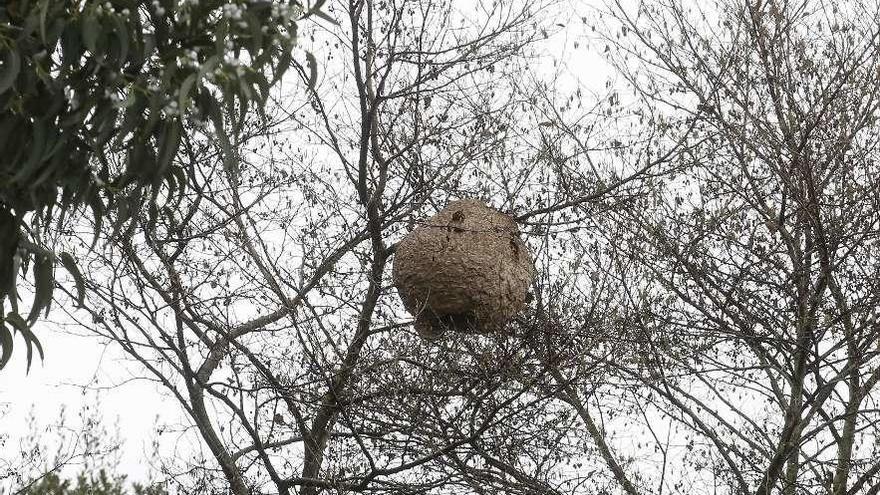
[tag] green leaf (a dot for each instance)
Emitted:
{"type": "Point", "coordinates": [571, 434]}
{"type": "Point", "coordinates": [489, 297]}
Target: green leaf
{"type": "Point", "coordinates": [179, 175]}
{"type": "Point", "coordinates": [313, 70]}
{"type": "Point", "coordinates": [128, 211]}
{"type": "Point", "coordinates": [69, 264]}
{"type": "Point", "coordinates": [130, 229]}
{"type": "Point", "coordinates": [153, 215]}
{"type": "Point", "coordinates": [30, 340]}
{"type": "Point", "coordinates": [123, 213]}
{"type": "Point", "coordinates": [6, 344]}
{"type": "Point", "coordinates": [71, 46]}
{"type": "Point", "coordinates": [9, 238]}
{"type": "Point", "coordinates": [44, 9]}
{"type": "Point", "coordinates": [9, 130]}
{"type": "Point", "coordinates": [149, 45]}
{"type": "Point", "coordinates": [318, 13]}
{"type": "Point", "coordinates": [13, 290]}
{"type": "Point", "coordinates": [55, 141]}
{"type": "Point", "coordinates": [264, 86]}
{"type": "Point", "coordinates": [221, 33]}
{"type": "Point", "coordinates": [185, 88]}
{"type": "Point", "coordinates": [44, 285]}
{"type": "Point", "coordinates": [36, 152]}
{"type": "Point", "coordinates": [121, 30]}
{"type": "Point", "coordinates": [134, 114]}
{"type": "Point", "coordinates": [11, 66]}
{"type": "Point", "coordinates": [91, 28]}
{"type": "Point", "coordinates": [129, 100]}
{"type": "Point", "coordinates": [247, 93]}
{"type": "Point", "coordinates": [98, 212]}
{"type": "Point", "coordinates": [256, 33]}
{"type": "Point", "coordinates": [31, 23]}
{"type": "Point", "coordinates": [209, 65]}
{"type": "Point", "coordinates": [105, 116]}
{"type": "Point", "coordinates": [282, 65]}
{"type": "Point", "coordinates": [217, 120]}
{"type": "Point", "coordinates": [170, 142]}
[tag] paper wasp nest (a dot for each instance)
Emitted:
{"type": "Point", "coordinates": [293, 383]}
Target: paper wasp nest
{"type": "Point", "coordinates": [464, 269]}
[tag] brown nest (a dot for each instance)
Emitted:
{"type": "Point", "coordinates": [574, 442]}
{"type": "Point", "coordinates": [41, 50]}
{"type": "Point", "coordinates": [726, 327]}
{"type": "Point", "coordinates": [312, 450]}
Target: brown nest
{"type": "Point", "coordinates": [465, 269]}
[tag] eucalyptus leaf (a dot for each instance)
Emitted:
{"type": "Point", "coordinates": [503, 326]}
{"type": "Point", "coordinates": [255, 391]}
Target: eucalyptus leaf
{"type": "Point", "coordinates": [121, 30]}
{"type": "Point", "coordinates": [185, 88]}
{"type": "Point", "coordinates": [322, 15]}
{"type": "Point", "coordinates": [70, 264]}
{"type": "Point", "coordinates": [97, 206]}
{"type": "Point", "coordinates": [313, 70]}
{"type": "Point", "coordinates": [91, 29]}
{"type": "Point", "coordinates": [5, 345]}
{"type": "Point", "coordinates": [282, 66]}
{"type": "Point", "coordinates": [38, 142]}
{"type": "Point", "coordinates": [11, 66]}
{"type": "Point", "coordinates": [170, 143]}
{"type": "Point", "coordinates": [30, 339]}
{"type": "Point", "coordinates": [44, 285]}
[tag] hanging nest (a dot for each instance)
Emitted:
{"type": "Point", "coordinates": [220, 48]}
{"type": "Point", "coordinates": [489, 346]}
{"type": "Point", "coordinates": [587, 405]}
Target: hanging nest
{"type": "Point", "coordinates": [465, 269]}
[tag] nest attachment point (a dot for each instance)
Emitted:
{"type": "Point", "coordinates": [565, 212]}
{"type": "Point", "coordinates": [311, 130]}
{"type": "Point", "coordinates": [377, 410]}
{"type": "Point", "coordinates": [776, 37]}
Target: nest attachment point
{"type": "Point", "coordinates": [465, 269]}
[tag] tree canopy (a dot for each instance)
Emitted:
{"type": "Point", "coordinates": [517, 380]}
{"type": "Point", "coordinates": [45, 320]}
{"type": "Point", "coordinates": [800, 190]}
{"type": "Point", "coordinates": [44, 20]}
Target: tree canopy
{"type": "Point", "coordinates": [95, 98]}
{"type": "Point", "coordinates": [100, 483]}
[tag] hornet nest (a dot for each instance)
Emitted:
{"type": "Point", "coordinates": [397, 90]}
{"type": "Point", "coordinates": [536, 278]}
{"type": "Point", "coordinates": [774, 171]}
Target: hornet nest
{"type": "Point", "coordinates": [464, 269]}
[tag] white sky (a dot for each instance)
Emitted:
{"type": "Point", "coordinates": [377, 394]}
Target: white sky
{"type": "Point", "coordinates": [81, 371]}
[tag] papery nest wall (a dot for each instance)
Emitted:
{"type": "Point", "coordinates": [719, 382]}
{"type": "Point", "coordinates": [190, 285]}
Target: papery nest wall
{"type": "Point", "coordinates": [464, 269]}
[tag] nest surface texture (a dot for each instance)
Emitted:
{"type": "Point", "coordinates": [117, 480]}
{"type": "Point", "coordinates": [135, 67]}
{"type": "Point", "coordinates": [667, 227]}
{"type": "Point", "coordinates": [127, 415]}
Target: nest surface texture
{"type": "Point", "coordinates": [464, 269]}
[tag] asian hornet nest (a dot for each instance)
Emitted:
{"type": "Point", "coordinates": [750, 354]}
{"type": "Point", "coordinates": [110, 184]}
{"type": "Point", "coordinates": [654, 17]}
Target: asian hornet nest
{"type": "Point", "coordinates": [464, 269]}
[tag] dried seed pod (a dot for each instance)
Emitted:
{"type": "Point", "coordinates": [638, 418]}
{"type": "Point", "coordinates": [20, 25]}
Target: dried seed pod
{"type": "Point", "coordinates": [465, 269]}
